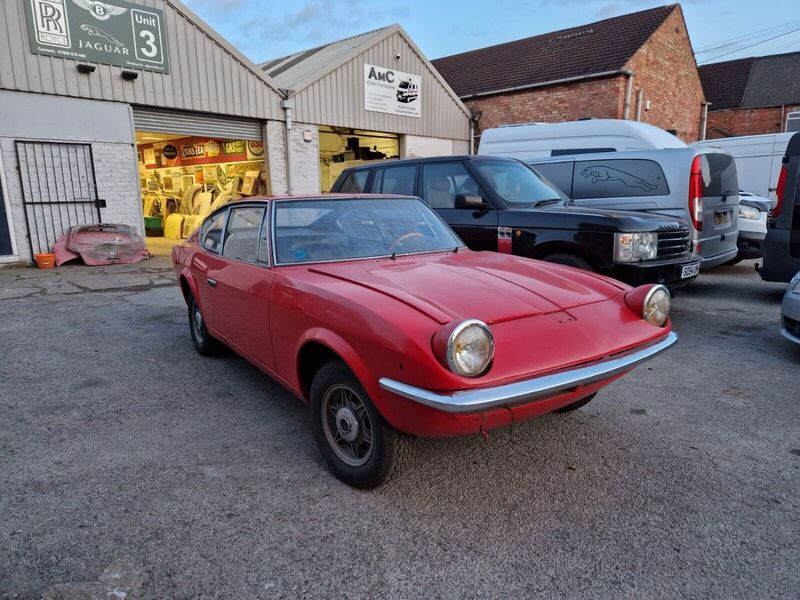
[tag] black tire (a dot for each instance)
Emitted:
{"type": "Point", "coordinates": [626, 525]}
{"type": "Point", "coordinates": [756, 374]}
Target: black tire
{"type": "Point", "coordinates": [203, 342]}
{"type": "Point", "coordinates": [570, 260]}
{"type": "Point", "coordinates": [576, 405]}
{"type": "Point", "coordinates": [340, 407]}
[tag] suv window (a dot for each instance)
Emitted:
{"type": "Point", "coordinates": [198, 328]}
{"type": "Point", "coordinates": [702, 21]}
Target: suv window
{"type": "Point", "coordinates": [442, 182]}
{"type": "Point", "coordinates": [618, 178]}
{"type": "Point", "coordinates": [355, 182]}
{"type": "Point", "coordinates": [557, 173]}
{"type": "Point", "coordinates": [211, 234]}
{"type": "Point", "coordinates": [243, 233]}
{"type": "Point", "coordinates": [395, 180]}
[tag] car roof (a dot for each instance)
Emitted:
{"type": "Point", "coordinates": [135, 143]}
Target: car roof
{"type": "Point", "coordinates": [321, 196]}
{"type": "Point", "coordinates": [428, 159]}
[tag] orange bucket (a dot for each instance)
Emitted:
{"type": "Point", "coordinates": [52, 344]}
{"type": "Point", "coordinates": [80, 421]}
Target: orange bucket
{"type": "Point", "coordinates": [46, 260]}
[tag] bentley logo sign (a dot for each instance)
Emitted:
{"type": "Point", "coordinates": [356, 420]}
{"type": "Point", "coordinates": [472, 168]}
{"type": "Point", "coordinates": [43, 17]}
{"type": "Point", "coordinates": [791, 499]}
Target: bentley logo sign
{"type": "Point", "coordinates": [122, 34]}
{"type": "Point", "coordinates": [100, 10]}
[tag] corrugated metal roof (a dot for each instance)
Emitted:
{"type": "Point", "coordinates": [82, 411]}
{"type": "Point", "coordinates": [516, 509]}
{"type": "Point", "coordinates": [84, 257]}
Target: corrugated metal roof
{"type": "Point", "coordinates": [298, 70]}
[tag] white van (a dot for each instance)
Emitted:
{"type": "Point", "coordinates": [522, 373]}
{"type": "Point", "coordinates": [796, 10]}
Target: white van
{"type": "Point", "coordinates": [629, 165]}
{"type": "Point", "coordinates": [758, 159]}
{"type": "Point", "coordinates": [539, 140]}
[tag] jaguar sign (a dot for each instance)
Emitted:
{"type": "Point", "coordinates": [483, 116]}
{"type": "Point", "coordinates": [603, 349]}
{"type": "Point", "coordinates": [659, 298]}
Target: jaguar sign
{"type": "Point", "coordinates": [114, 33]}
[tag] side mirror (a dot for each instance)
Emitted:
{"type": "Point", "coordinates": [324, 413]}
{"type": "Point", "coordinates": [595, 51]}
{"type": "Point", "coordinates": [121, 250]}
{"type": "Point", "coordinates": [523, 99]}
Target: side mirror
{"type": "Point", "coordinates": [470, 202]}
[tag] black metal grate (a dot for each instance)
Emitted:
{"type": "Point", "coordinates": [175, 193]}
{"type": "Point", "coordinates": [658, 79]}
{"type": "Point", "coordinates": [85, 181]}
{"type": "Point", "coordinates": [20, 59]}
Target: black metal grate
{"type": "Point", "coordinates": [674, 243]}
{"type": "Point", "coordinates": [59, 190]}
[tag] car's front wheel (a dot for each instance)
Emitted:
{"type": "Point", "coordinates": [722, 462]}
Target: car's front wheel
{"type": "Point", "coordinates": [576, 405]}
{"type": "Point", "coordinates": [357, 444]}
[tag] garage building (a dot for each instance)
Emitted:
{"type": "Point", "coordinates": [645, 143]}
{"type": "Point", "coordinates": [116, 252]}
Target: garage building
{"type": "Point", "coordinates": [141, 114]}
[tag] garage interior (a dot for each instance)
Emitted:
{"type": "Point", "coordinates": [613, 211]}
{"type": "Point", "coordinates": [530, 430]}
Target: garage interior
{"type": "Point", "coordinates": [343, 147]}
{"type": "Point", "coordinates": [184, 178]}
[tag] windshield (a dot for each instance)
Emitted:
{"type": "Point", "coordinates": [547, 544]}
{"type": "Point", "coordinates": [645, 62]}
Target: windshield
{"type": "Point", "coordinates": [329, 230]}
{"type": "Point", "coordinates": [518, 184]}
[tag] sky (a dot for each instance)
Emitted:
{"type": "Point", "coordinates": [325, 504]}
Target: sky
{"type": "Point", "coordinates": [265, 29]}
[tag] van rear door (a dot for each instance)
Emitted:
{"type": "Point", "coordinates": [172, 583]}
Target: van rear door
{"type": "Point", "coordinates": [720, 203]}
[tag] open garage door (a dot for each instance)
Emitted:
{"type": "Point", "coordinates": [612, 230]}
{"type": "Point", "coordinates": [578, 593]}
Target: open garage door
{"type": "Point", "coordinates": [197, 124]}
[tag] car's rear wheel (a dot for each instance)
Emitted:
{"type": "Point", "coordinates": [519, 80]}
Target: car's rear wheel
{"type": "Point", "coordinates": [203, 341]}
{"type": "Point", "coordinates": [576, 405]}
{"type": "Point", "coordinates": [571, 260]}
{"type": "Point", "coordinates": [357, 444]}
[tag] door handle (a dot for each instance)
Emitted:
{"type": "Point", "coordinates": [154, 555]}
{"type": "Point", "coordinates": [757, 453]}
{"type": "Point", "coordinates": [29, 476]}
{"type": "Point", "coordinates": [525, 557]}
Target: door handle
{"type": "Point", "coordinates": [212, 282]}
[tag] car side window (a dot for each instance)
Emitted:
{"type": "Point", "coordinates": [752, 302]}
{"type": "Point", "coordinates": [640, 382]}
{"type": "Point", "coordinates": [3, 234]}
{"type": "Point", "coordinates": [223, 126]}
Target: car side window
{"type": "Point", "coordinates": [395, 180]}
{"type": "Point", "coordinates": [243, 233]}
{"type": "Point", "coordinates": [211, 234]}
{"type": "Point", "coordinates": [355, 182]}
{"type": "Point", "coordinates": [442, 182]}
{"type": "Point", "coordinates": [557, 173]}
{"type": "Point", "coordinates": [618, 178]}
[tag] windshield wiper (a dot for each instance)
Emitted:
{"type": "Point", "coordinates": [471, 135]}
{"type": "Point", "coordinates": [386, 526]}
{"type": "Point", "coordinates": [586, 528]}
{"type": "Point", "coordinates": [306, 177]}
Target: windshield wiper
{"type": "Point", "coordinates": [546, 202]}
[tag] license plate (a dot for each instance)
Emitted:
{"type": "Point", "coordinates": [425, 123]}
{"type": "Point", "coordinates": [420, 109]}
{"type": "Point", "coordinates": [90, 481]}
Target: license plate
{"type": "Point", "coordinates": [722, 218]}
{"type": "Point", "coordinates": [690, 270]}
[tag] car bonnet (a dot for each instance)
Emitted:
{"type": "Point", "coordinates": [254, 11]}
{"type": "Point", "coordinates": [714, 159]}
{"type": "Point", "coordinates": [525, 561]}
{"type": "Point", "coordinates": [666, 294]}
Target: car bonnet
{"type": "Point", "coordinates": [488, 286]}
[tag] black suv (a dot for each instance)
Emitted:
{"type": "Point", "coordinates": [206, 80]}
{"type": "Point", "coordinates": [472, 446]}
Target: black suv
{"type": "Point", "coordinates": [501, 204]}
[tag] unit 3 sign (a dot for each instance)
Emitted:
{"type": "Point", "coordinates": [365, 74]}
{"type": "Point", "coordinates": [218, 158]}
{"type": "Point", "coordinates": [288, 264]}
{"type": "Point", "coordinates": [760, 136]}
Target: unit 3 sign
{"type": "Point", "coordinates": [393, 92]}
{"type": "Point", "coordinates": [113, 33]}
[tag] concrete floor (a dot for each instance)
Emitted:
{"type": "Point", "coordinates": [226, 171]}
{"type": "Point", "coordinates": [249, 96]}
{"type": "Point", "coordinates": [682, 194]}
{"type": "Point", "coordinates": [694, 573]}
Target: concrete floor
{"type": "Point", "coordinates": [126, 459]}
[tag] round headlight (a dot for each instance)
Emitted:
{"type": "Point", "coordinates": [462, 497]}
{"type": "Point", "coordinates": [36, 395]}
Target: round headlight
{"type": "Point", "coordinates": [470, 348]}
{"type": "Point", "coordinates": [655, 309]}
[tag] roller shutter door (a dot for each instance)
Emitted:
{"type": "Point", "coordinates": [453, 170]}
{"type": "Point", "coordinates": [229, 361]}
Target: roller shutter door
{"type": "Point", "coordinates": [201, 124]}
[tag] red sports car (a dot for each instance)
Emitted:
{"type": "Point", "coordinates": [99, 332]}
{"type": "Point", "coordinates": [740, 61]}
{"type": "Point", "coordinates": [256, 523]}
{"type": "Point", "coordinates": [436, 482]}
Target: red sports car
{"type": "Point", "coordinates": [371, 310]}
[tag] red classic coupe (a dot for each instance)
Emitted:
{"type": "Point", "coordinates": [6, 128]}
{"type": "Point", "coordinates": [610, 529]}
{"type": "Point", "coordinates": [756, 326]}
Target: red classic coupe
{"type": "Point", "coordinates": [371, 310]}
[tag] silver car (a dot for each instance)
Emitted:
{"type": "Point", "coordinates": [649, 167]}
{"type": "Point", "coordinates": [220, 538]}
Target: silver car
{"type": "Point", "coordinates": [791, 311]}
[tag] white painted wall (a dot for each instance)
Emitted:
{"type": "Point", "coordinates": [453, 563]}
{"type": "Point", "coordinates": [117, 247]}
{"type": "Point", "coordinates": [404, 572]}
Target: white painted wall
{"type": "Point", "coordinates": [415, 146]}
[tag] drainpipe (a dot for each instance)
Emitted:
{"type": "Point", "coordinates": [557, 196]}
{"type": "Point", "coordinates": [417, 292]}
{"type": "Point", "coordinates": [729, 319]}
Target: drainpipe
{"type": "Point", "coordinates": [639, 99]}
{"type": "Point", "coordinates": [626, 109]}
{"type": "Point", "coordinates": [287, 105]}
{"type": "Point", "coordinates": [704, 120]}
{"type": "Point", "coordinates": [473, 123]}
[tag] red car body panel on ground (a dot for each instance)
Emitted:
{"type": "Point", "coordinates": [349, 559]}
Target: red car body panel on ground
{"type": "Point", "coordinates": [380, 317]}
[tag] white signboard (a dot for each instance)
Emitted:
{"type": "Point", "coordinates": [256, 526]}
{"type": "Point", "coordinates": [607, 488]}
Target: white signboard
{"type": "Point", "coordinates": [393, 92]}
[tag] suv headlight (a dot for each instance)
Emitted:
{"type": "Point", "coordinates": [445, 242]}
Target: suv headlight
{"type": "Point", "coordinates": [470, 348]}
{"type": "Point", "coordinates": [748, 212]}
{"type": "Point", "coordinates": [633, 247]}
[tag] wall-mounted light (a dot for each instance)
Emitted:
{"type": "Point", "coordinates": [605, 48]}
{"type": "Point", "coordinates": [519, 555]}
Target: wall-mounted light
{"type": "Point", "coordinates": [85, 69]}
{"type": "Point", "coordinates": [307, 135]}
{"type": "Point", "coordinates": [130, 75]}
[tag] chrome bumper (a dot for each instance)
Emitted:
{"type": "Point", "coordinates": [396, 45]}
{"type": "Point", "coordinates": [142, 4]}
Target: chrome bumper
{"type": "Point", "coordinates": [522, 392]}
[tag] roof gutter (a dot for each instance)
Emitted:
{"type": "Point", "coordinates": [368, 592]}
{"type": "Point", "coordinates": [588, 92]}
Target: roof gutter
{"type": "Point", "coordinates": [530, 86]}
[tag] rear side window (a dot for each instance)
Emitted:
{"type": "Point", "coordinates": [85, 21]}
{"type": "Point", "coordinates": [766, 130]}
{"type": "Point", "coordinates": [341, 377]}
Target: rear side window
{"type": "Point", "coordinates": [558, 173]}
{"type": "Point", "coordinates": [243, 233]}
{"type": "Point", "coordinates": [211, 234]}
{"type": "Point", "coordinates": [618, 178]}
{"type": "Point", "coordinates": [355, 182]}
{"type": "Point", "coordinates": [719, 174]}
{"type": "Point", "coordinates": [395, 180]}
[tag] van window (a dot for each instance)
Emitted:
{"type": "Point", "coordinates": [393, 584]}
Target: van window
{"type": "Point", "coordinates": [355, 182]}
{"type": "Point", "coordinates": [395, 180]}
{"type": "Point", "coordinates": [569, 151]}
{"type": "Point", "coordinates": [620, 178]}
{"type": "Point", "coordinates": [557, 173]}
{"type": "Point", "coordinates": [719, 174]}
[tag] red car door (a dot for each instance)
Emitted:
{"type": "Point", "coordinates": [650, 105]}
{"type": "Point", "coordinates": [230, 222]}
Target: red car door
{"type": "Point", "coordinates": [239, 284]}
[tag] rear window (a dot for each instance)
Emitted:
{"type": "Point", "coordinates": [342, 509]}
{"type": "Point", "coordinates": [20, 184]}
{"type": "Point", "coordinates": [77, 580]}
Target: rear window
{"type": "Point", "coordinates": [557, 173]}
{"type": "Point", "coordinates": [719, 174]}
{"type": "Point", "coordinates": [618, 178]}
{"type": "Point", "coordinates": [354, 183]}
{"type": "Point", "coordinates": [395, 180]}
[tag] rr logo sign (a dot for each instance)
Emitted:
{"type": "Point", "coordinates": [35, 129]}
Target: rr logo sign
{"type": "Point", "coordinates": [50, 23]}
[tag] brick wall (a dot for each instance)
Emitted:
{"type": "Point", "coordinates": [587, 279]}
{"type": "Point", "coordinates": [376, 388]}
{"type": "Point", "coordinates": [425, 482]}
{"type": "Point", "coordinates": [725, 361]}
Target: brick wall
{"type": "Point", "coordinates": [747, 121]}
{"type": "Point", "coordinates": [600, 98]}
{"type": "Point", "coordinates": [305, 156]}
{"type": "Point", "coordinates": [666, 72]}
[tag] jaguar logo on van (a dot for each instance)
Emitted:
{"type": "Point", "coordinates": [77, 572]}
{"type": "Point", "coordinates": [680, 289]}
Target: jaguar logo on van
{"type": "Point", "coordinates": [598, 173]}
